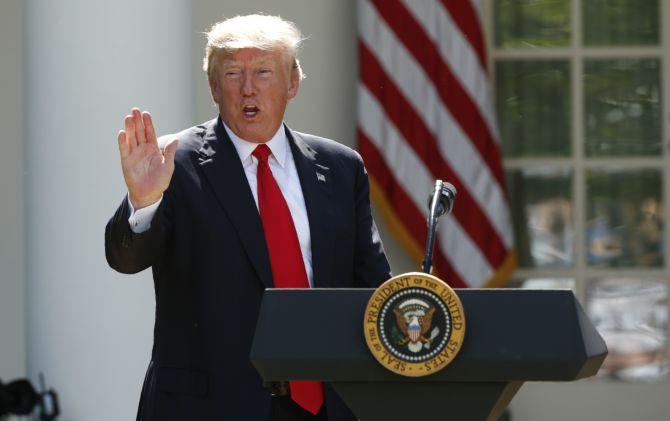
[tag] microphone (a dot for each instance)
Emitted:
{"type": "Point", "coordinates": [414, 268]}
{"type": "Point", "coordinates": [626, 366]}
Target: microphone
{"type": "Point", "coordinates": [444, 194]}
{"type": "Point", "coordinates": [440, 202]}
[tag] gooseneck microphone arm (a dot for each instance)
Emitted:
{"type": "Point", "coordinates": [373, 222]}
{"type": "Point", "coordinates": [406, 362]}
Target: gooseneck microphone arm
{"type": "Point", "coordinates": [440, 202]}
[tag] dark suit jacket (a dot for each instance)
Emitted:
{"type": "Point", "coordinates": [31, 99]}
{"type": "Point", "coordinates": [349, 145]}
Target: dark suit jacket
{"type": "Point", "coordinates": [210, 265]}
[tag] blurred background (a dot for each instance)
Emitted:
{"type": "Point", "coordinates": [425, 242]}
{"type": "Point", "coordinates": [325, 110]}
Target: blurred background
{"type": "Point", "coordinates": [580, 91]}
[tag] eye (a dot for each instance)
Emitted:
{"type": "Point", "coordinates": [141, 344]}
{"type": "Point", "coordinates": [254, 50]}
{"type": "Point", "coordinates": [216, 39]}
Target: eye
{"type": "Point", "coordinates": [265, 71]}
{"type": "Point", "coordinates": [232, 73]}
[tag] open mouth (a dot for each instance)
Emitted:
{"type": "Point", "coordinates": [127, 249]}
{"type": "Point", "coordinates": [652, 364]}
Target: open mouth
{"type": "Point", "coordinates": [250, 111]}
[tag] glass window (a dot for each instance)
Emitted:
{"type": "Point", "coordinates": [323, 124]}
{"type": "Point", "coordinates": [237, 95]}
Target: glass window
{"type": "Point", "coordinates": [581, 106]}
{"type": "Point", "coordinates": [622, 107]}
{"type": "Point", "coordinates": [543, 283]}
{"type": "Point", "coordinates": [533, 125]}
{"type": "Point", "coordinates": [541, 200]}
{"type": "Point", "coordinates": [621, 22]}
{"type": "Point", "coordinates": [532, 23]}
{"type": "Point", "coordinates": [624, 218]}
{"type": "Point", "coordinates": [632, 317]}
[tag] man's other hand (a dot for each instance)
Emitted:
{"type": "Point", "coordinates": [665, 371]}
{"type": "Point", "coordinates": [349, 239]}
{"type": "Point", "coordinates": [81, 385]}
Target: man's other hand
{"type": "Point", "coordinates": [146, 168]}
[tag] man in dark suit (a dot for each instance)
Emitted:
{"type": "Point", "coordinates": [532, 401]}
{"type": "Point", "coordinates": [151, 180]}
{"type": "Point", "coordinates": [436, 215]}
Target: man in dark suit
{"type": "Point", "coordinates": [225, 209]}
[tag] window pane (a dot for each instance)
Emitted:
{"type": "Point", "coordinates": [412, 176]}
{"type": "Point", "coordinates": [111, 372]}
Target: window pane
{"type": "Point", "coordinates": [621, 22]}
{"type": "Point", "coordinates": [625, 218]}
{"type": "Point", "coordinates": [622, 107]}
{"type": "Point", "coordinates": [533, 103]}
{"type": "Point", "coordinates": [632, 317]}
{"type": "Point", "coordinates": [543, 216]}
{"type": "Point", "coordinates": [528, 23]}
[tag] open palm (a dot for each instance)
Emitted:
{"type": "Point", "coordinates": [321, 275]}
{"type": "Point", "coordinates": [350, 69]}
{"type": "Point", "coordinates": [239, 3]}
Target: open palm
{"type": "Point", "coordinates": [146, 168]}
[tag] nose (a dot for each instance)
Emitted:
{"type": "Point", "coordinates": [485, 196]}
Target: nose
{"type": "Point", "coordinates": [248, 85]}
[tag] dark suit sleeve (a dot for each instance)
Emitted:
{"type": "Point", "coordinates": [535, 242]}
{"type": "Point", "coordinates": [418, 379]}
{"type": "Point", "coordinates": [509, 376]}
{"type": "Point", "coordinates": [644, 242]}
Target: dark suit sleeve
{"type": "Point", "coordinates": [371, 266]}
{"type": "Point", "coordinates": [128, 252]}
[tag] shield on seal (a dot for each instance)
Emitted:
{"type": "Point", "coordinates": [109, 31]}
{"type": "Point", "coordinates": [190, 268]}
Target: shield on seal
{"type": "Point", "coordinates": [414, 331]}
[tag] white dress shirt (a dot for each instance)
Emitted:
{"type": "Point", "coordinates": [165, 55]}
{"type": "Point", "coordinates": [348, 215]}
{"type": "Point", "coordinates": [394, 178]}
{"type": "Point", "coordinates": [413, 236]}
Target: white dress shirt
{"type": "Point", "coordinates": [285, 173]}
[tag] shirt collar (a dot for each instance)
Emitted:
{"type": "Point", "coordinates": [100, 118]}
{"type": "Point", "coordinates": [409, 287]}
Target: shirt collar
{"type": "Point", "coordinates": [278, 145]}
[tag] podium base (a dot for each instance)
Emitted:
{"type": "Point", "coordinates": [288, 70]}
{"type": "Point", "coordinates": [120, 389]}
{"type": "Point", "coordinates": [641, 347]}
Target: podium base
{"type": "Point", "coordinates": [462, 401]}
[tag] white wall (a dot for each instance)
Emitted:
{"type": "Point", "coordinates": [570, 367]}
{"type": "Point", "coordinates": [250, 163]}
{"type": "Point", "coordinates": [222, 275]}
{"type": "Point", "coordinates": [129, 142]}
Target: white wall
{"type": "Point", "coordinates": [12, 332]}
{"type": "Point", "coordinates": [89, 328]}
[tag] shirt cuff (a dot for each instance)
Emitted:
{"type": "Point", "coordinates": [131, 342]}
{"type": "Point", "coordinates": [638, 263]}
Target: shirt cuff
{"type": "Point", "coordinates": [140, 219]}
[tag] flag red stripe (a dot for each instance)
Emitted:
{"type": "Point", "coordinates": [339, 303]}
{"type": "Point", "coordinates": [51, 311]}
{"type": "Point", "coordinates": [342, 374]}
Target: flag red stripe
{"type": "Point", "coordinates": [407, 212]}
{"type": "Point", "coordinates": [422, 141]}
{"type": "Point", "coordinates": [444, 269]}
{"type": "Point", "coordinates": [466, 18]}
{"type": "Point", "coordinates": [454, 96]}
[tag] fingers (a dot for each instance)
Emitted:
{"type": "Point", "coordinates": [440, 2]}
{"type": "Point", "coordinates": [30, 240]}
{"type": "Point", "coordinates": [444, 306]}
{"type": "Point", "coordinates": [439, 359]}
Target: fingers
{"type": "Point", "coordinates": [149, 128]}
{"type": "Point", "coordinates": [170, 150]}
{"type": "Point", "coordinates": [130, 132]}
{"type": "Point", "coordinates": [138, 129]}
{"type": "Point", "coordinates": [124, 149]}
{"type": "Point", "coordinates": [139, 126]}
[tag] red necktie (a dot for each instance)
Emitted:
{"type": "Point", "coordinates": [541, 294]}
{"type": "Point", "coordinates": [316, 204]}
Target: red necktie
{"type": "Point", "coordinates": [288, 268]}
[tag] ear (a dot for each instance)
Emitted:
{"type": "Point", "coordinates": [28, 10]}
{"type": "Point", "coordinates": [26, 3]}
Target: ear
{"type": "Point", "coordinates": [294, 84]}
{"type": "Point", "coordinates": [214, 87]}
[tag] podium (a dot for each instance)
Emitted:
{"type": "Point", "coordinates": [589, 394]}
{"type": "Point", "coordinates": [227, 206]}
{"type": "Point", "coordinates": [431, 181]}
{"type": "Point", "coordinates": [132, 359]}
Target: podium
{"type": "Point", "coordinates": [512, 336]}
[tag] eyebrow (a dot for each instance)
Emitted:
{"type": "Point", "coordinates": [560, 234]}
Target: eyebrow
{"type": "Point", "coordinates": [233, 63]}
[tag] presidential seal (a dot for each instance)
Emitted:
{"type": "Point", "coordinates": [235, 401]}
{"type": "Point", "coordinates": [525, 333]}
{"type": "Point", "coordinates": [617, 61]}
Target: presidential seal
{"type": "Point", "coordinates": [414, 324]}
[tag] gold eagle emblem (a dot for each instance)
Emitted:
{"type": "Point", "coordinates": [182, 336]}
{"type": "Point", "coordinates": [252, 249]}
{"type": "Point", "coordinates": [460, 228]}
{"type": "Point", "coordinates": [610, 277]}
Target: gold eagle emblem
{"type": "Point", "coordinates": [414, 322]}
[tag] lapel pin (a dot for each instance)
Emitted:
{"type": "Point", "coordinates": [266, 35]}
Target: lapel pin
{"type": "Point", "coordinates": [321, 177]}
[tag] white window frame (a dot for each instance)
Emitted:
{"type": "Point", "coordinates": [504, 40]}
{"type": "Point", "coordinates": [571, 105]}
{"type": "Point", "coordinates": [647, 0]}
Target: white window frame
{"type": "Point", "coordinates": [578, 163]}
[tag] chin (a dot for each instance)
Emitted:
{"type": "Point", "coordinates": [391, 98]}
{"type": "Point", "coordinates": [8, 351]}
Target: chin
{"type": "Point", "coordinates": [255, 137]}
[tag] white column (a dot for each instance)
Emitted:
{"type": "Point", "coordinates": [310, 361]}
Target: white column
{"type": "Point", "coordinates": [12, 330]}
{"type": "Point", "coordinates": [89, 329]}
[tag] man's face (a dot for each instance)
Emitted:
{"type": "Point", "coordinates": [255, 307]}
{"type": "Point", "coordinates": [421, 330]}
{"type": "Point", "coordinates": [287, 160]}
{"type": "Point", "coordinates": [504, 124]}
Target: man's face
{"type": "Point", "coordinates": [252, 88]}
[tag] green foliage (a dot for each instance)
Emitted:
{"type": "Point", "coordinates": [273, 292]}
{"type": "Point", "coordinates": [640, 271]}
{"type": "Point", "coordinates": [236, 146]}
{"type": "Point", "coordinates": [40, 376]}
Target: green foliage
{"type": "Point", "coordinates": [533, 104]}
{"type": "Point", "coordinates": [621, 22]}
{"type": "Point", "coordinates": [532, 23]}
{"type": "Point", "coordinates": [622, 107]}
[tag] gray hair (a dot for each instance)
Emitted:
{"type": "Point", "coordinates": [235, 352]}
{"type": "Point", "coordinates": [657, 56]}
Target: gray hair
{"type": "Point", "coordinates": [253, 31]}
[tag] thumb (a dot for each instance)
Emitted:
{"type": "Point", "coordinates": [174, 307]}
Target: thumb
{"type": "Point", "coordinates": [170, 150]}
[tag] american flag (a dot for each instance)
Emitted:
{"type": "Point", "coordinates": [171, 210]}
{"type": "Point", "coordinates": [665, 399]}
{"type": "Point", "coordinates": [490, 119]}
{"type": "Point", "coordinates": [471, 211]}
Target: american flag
{"type": "Point", "coordinates": [426, 112]}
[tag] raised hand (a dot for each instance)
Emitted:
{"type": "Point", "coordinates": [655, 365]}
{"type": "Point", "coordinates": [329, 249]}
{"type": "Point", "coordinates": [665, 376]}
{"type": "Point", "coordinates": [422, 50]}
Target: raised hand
{"type": "Point", "coordinates": [146, 168]}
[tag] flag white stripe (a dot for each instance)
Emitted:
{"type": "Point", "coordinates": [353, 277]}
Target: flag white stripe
{"type": "Point", "coordinates": [464, 258]}
{"type": "Point", "coordinates": [459, 54]}
{"type": "Point", "coordinates": [478, 6]}
{"type": "Point", "coordinates": [457, 150]}
{"type": "Point", "coordinates": [456, 246]}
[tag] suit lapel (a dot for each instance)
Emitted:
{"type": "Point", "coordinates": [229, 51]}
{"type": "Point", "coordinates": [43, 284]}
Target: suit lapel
{"type": "Point", "coordinates": [223, 169]}
{"type": "Point", "coordinates": [315, 182]}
